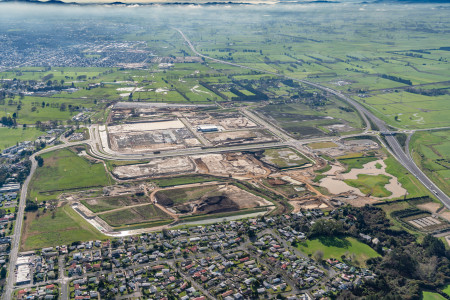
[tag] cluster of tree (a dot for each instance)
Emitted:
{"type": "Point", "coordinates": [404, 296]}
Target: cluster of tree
{"type": "Point", "coordinates": [8, 121]}
{"type": "Point", "coordinates": [213, 89]}
{"type": "Point", "coordinates": [31, 206]}
{"type": "Point", "coordinates": [40, 161]}
{"type": "Point", "coordinates": [397, 79]}
{"type": "Point", "coordinates": [312, 99]}
{"type": "Point", "coordinates": [428, 92]}
{"type": "Point", "coordinates": [406, 266]}
{"type": "Point", "coordinates": [258, 95]}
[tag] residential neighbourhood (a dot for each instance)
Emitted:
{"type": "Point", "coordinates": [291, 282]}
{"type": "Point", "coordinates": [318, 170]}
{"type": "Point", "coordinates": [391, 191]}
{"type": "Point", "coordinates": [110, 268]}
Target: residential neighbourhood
{"type": "Point", "coordinates": [246, 259]}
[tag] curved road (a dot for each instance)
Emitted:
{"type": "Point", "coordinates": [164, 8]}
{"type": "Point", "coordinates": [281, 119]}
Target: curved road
{"type": "Point", "coordinates": [404, 158]}
{"type": "Point", "coordinates": [15, 243]}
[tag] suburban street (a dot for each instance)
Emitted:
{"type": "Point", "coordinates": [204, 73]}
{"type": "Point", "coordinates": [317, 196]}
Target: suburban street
{"type": "Point", "coordinates": [15, 244]}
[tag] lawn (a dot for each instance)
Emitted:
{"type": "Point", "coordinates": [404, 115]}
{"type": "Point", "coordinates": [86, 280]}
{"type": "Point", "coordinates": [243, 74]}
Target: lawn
{"type": "Point", "coordinates": [66, 227]}
{"type": "Point", "coordinates": [335, 247]}
{"type": "Point", "coordinates": [431, 296]}
{"type": "Point", "coordinates": [11, 136]}
{"type": "Point", "coordinates": [371, 184]}
{"type": "Point", "coordinates": [65, 170]}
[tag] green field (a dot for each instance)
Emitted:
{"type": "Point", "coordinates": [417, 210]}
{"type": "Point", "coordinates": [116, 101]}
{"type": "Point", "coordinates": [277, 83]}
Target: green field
{"type": "Point", "coordinates": [335, 247]}
{"type": "Point", "coordinates": [66, 227]}
{"type": "Point", "coordinates": [108, 203]}
{"type": "Point", "coordinates": [371, 185]}
{"type": "Point", "coordinates": [431, 296]}
{"type": "Point", "coordinates": [447, 290]}
{"type": "Point", "coordinates": [357, 162]}
{"type": "Point", "coordinates": [137, 215]}
{"type": "Point", "coordinates": [407, 180]}
{"type": "Point", "coordinates": [431, 151]}
{"type": "Point", "coordinates": [64, 170]}
{"type": "Point", "coordinates": [11, 136]}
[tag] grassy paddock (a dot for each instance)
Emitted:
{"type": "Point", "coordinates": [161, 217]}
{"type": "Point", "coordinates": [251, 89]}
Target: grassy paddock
{"type": "Point", "coordinates": [11, 136]}
{"type": "Point", "coordinates": [65, 170]}
{"type": "Point", "coordinates": [66, 227]}
{"type": "Point", "coordinates": [371, 185]}
{"type": "Point", "coordinates": [335, 247]}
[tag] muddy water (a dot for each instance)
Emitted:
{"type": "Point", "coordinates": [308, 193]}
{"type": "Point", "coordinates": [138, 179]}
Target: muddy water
{"type": "Point", "coordinates": [336, 185]}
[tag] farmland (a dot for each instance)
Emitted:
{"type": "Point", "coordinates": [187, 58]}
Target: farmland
{"type": "Point", "coordinates": [431, 151]}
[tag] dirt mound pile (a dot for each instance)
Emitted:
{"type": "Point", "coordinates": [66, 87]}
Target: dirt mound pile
{"type": "Point", "coordinates": [217, 204]}
{"type": "Point", "coordinates": [163, 199]}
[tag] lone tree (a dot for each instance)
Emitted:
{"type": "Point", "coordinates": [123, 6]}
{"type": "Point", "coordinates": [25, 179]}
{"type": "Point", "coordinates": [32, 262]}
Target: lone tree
{"type": "Point", "coordinates": [318, 255]}
{"type": "Point", "coordinates": [40, 161]}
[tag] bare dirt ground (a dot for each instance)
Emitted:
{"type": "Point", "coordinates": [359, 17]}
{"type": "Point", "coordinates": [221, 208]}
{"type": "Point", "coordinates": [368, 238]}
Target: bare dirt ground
{"type": "Point", "coordinates": [435, 208]}
{"type": "Point", "coordinates": [241, 136]}
{"type": "Point", "coordinates": [432, 207]}
{"type": "Point", "coordinates": [234, 164]}
{"type": "Point", "coordinates": [157, 167]}
{"type": "Point", "coordinates": [222, 198]}
{"type": "Point", "coordinates": [145, 126]}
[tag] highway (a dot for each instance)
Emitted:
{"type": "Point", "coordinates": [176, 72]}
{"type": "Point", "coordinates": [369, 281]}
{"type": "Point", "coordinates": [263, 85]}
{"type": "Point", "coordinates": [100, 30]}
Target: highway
{"type": "Point", "coordinates": [396, 150]}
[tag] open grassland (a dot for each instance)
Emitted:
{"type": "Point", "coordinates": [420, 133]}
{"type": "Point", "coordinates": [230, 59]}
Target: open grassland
{"type": "Point", "coordinates": [11, 136]}
{"type": "Point", "coordinates": [431, 151]}
{"type": "Point", "coordinates": [66, 227]}
{"type": "Point", "coordinates": [371, 185]}
{"type": "Point", "coordinates": [408, 110]}
{"type": "Point", "coordinates": [64, 170]}
{"type": "Point", "coordinates": [431, 296]}
{"type": "Point", "coordinates": [137, 215]}
{"type": "Point", "coordinates": [335, 247]}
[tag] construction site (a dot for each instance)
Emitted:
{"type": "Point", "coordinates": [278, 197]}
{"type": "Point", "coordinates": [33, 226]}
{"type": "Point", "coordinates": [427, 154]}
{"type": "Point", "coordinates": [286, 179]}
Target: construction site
{"type": "Point", "coordinates": [140, 128]}
{"type": "Point", "coordinates": [203, 161]}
